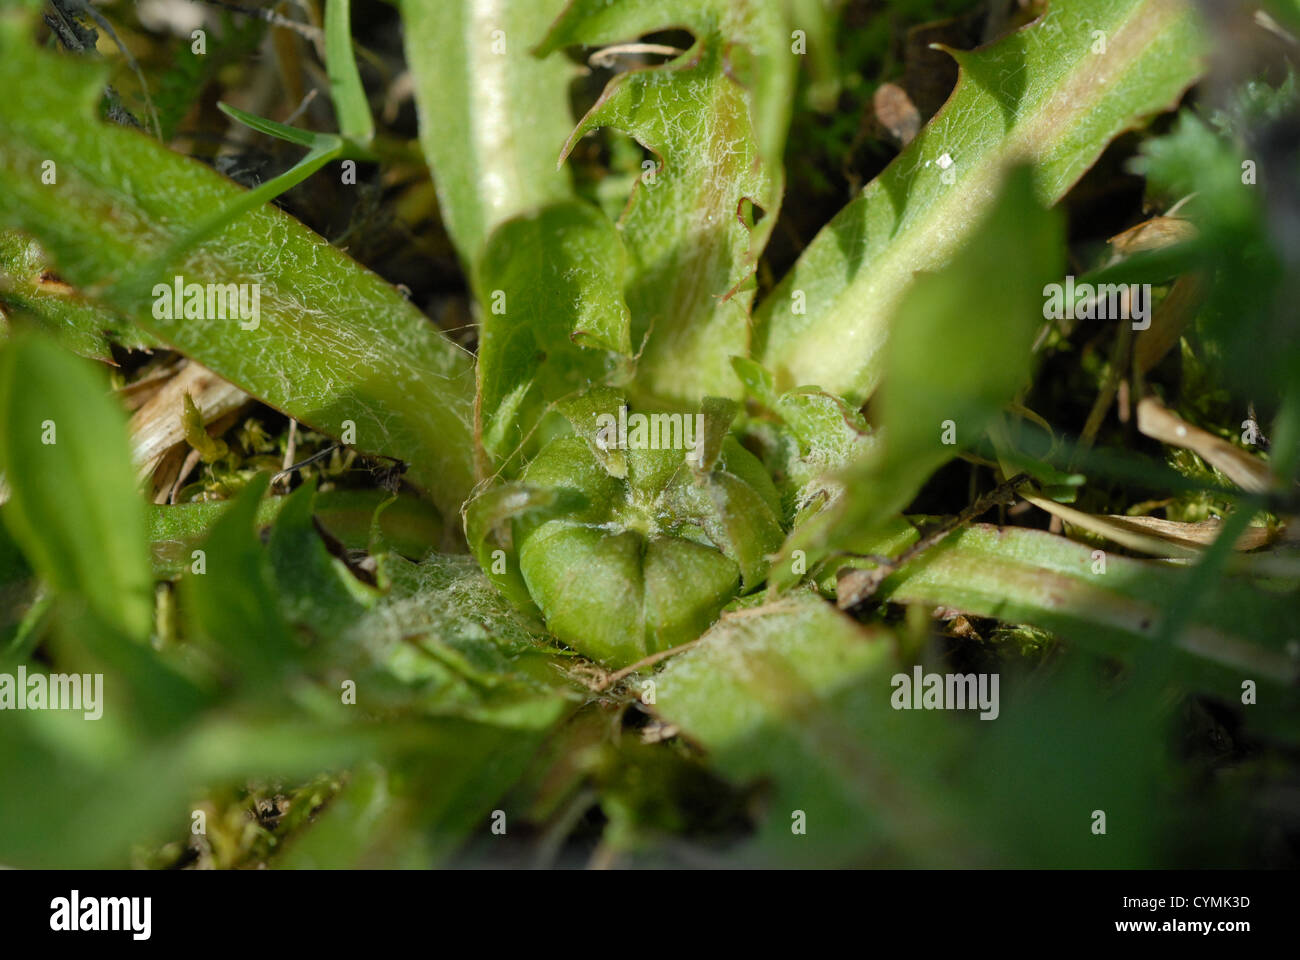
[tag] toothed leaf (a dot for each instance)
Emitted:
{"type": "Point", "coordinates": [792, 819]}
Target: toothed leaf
{"type": "Point", "coordinates": [1052, 95]}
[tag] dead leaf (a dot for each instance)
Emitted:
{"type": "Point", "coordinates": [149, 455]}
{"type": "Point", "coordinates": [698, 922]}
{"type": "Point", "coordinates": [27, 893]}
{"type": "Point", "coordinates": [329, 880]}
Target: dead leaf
{"type": "Point", "coordinates": [896, 112]}
{"type": "Point", "coordinates": [157, 426]}
{"type": "Point", "coordinates": [1250, 473]}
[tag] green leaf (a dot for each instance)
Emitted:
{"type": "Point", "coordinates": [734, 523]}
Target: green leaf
{"type": "Point", "coordinates": [443, 642]}
{"type": "Point", "coordinates": [73, 508]}
{"type": "Point", "coordinates": [1114, 607]}
{"type": "Point", "coordinates": [210, 448]}
{"type": "Point", "coordinates": [442, 646]}
{"type": "Point", "coordinates": [316, 591]}
{"type": "Point", "coordinates": [76, 514]}
{"type": "Point", "coordinates": [324, 148]}
{"type": "Point", "coordinates": [819, 22]}
{"type": "Point", "coordinates": [409, 525]}
{"type": "Point", "coordinates": [273, 128]}
{"type": "Point", "coordinates": [61, 789]}
{"type": "Point", "coordinates": [32, 296]}
{"type": "Point", "coordinates": [417, 811]}
{"type": "Point", "coordinates": [346, 91]}
{"type": "Point", "coordinates": [761, 56]}
{"type": "Point", "coordinates": [797, 693]}
{"type": "Point", "coordinates": [333, 345]}
{"type": "Point", "coordinates": [230, 601]}
{"type": "Point", "coordinates": [1040, 96]}
{"type": "Point", "coordinates": [804, 436]}
{"type": "Point", "coordinates": [953, 361]}
{"type": "Point", "coordinates": [551, 284]}
{"type": "Point", "coordinates": [546, 269]}
{"type": "Point", "coordinates": [584, 413]}
{"type": "Point", "coordinates": [715, 118]}
{"type": "Point", "coordinates": [493, 116]}
{"type": "Point", "coordinates": [800, 699]}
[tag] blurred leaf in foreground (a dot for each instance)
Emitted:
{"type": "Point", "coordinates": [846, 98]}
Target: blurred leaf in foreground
{"type": "Point", "coordinates": [73, 506]}
{"type": "Point", "coordinates": [797, 696]}
{"type": "Point", "coordinates": [952, 362]}
{"type": "Point", "coordinates": [797, 692]}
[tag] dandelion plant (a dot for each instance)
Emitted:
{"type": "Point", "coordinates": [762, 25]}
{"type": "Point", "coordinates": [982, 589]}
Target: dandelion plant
{"type": "Point", "coordinates": [590, 423]}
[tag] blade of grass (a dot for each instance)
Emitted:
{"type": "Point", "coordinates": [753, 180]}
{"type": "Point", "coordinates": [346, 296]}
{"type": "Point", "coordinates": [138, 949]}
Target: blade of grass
{"type": "Point", "coordinates": [349, 96]}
